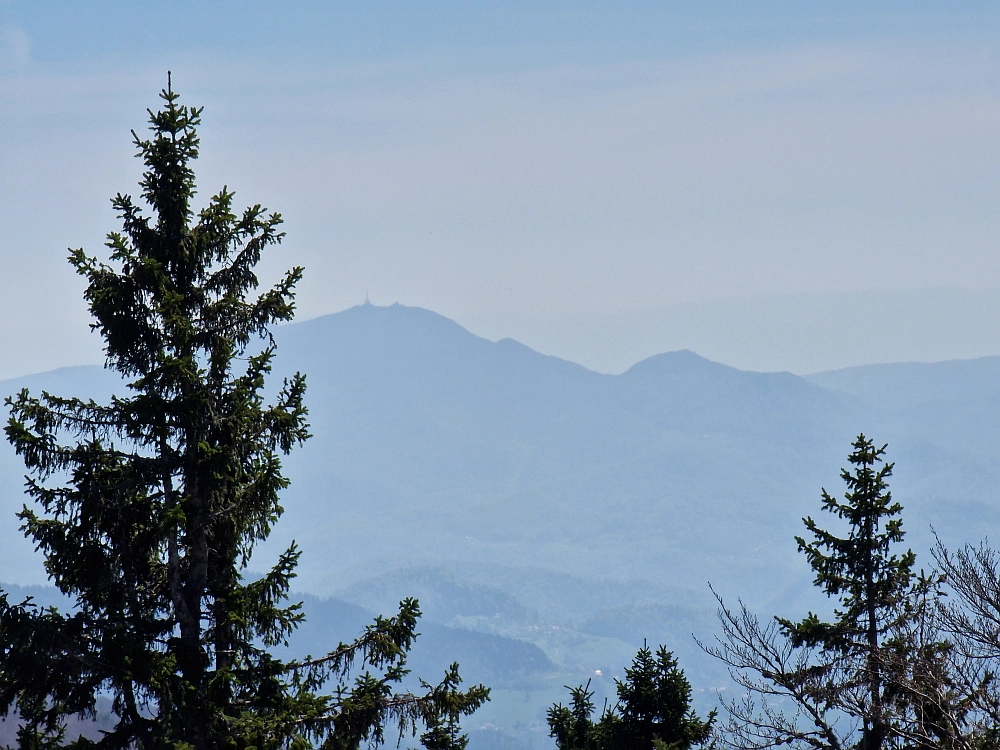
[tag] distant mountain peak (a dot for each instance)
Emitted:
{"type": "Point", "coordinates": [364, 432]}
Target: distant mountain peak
{"type": "Point", "coordinates": [680, 360]}
{"type": "Point", "coordinates": [394, 316]}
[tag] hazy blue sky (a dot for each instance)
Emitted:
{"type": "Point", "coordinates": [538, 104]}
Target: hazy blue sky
{"type": "Point", "coordinates": [519, 165]}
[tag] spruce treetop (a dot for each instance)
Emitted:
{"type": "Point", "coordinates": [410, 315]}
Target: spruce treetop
{"type": "Point", "coordinates": [653, 711]}
{"type": "Point", "coordinates": [860, 569]}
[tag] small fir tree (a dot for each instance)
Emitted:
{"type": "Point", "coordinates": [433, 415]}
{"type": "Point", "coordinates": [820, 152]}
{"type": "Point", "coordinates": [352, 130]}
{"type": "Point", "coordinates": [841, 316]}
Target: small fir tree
{"type": "Point", "coordinates": [147, 509]}
{"type": "Point", "coordinates": [653, 711]}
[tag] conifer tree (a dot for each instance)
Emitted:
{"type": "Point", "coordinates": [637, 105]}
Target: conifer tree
{"type": "Point", "coordinates": [653, 711]}
{"type": "Point", "coordinates": [148, 508]}
{"type": "Point", "coordinates": [874, 584]}
{"type": "Point", "coordinates": [881, 673]}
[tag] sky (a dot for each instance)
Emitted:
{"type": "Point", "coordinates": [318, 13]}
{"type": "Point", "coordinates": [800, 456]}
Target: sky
{"type": "Point", "coordinates": [777, 185]}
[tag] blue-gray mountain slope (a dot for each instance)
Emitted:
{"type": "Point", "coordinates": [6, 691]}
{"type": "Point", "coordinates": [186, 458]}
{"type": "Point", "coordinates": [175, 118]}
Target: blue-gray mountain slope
{"type": "Point", "coordinates": [434, 446]}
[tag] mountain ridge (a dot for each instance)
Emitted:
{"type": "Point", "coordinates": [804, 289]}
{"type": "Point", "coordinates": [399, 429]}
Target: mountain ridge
{"type": "Point", "coordinates": [433, 444]}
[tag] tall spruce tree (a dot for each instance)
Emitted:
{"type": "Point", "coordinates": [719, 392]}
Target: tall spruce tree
{"type": "Point", "coordinates": [147, 509]}
{"type": "Point", "coordinates": [875, 586]}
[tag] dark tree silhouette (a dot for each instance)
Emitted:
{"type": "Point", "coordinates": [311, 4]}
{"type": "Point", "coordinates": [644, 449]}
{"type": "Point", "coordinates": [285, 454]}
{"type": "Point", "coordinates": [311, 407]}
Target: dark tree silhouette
{"type": "Point", "coordinates": [147, 509]}
{"type": "Point", "coordinates": [653, 711]}
{"type": "Point", "coordinates": [880, 674]}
